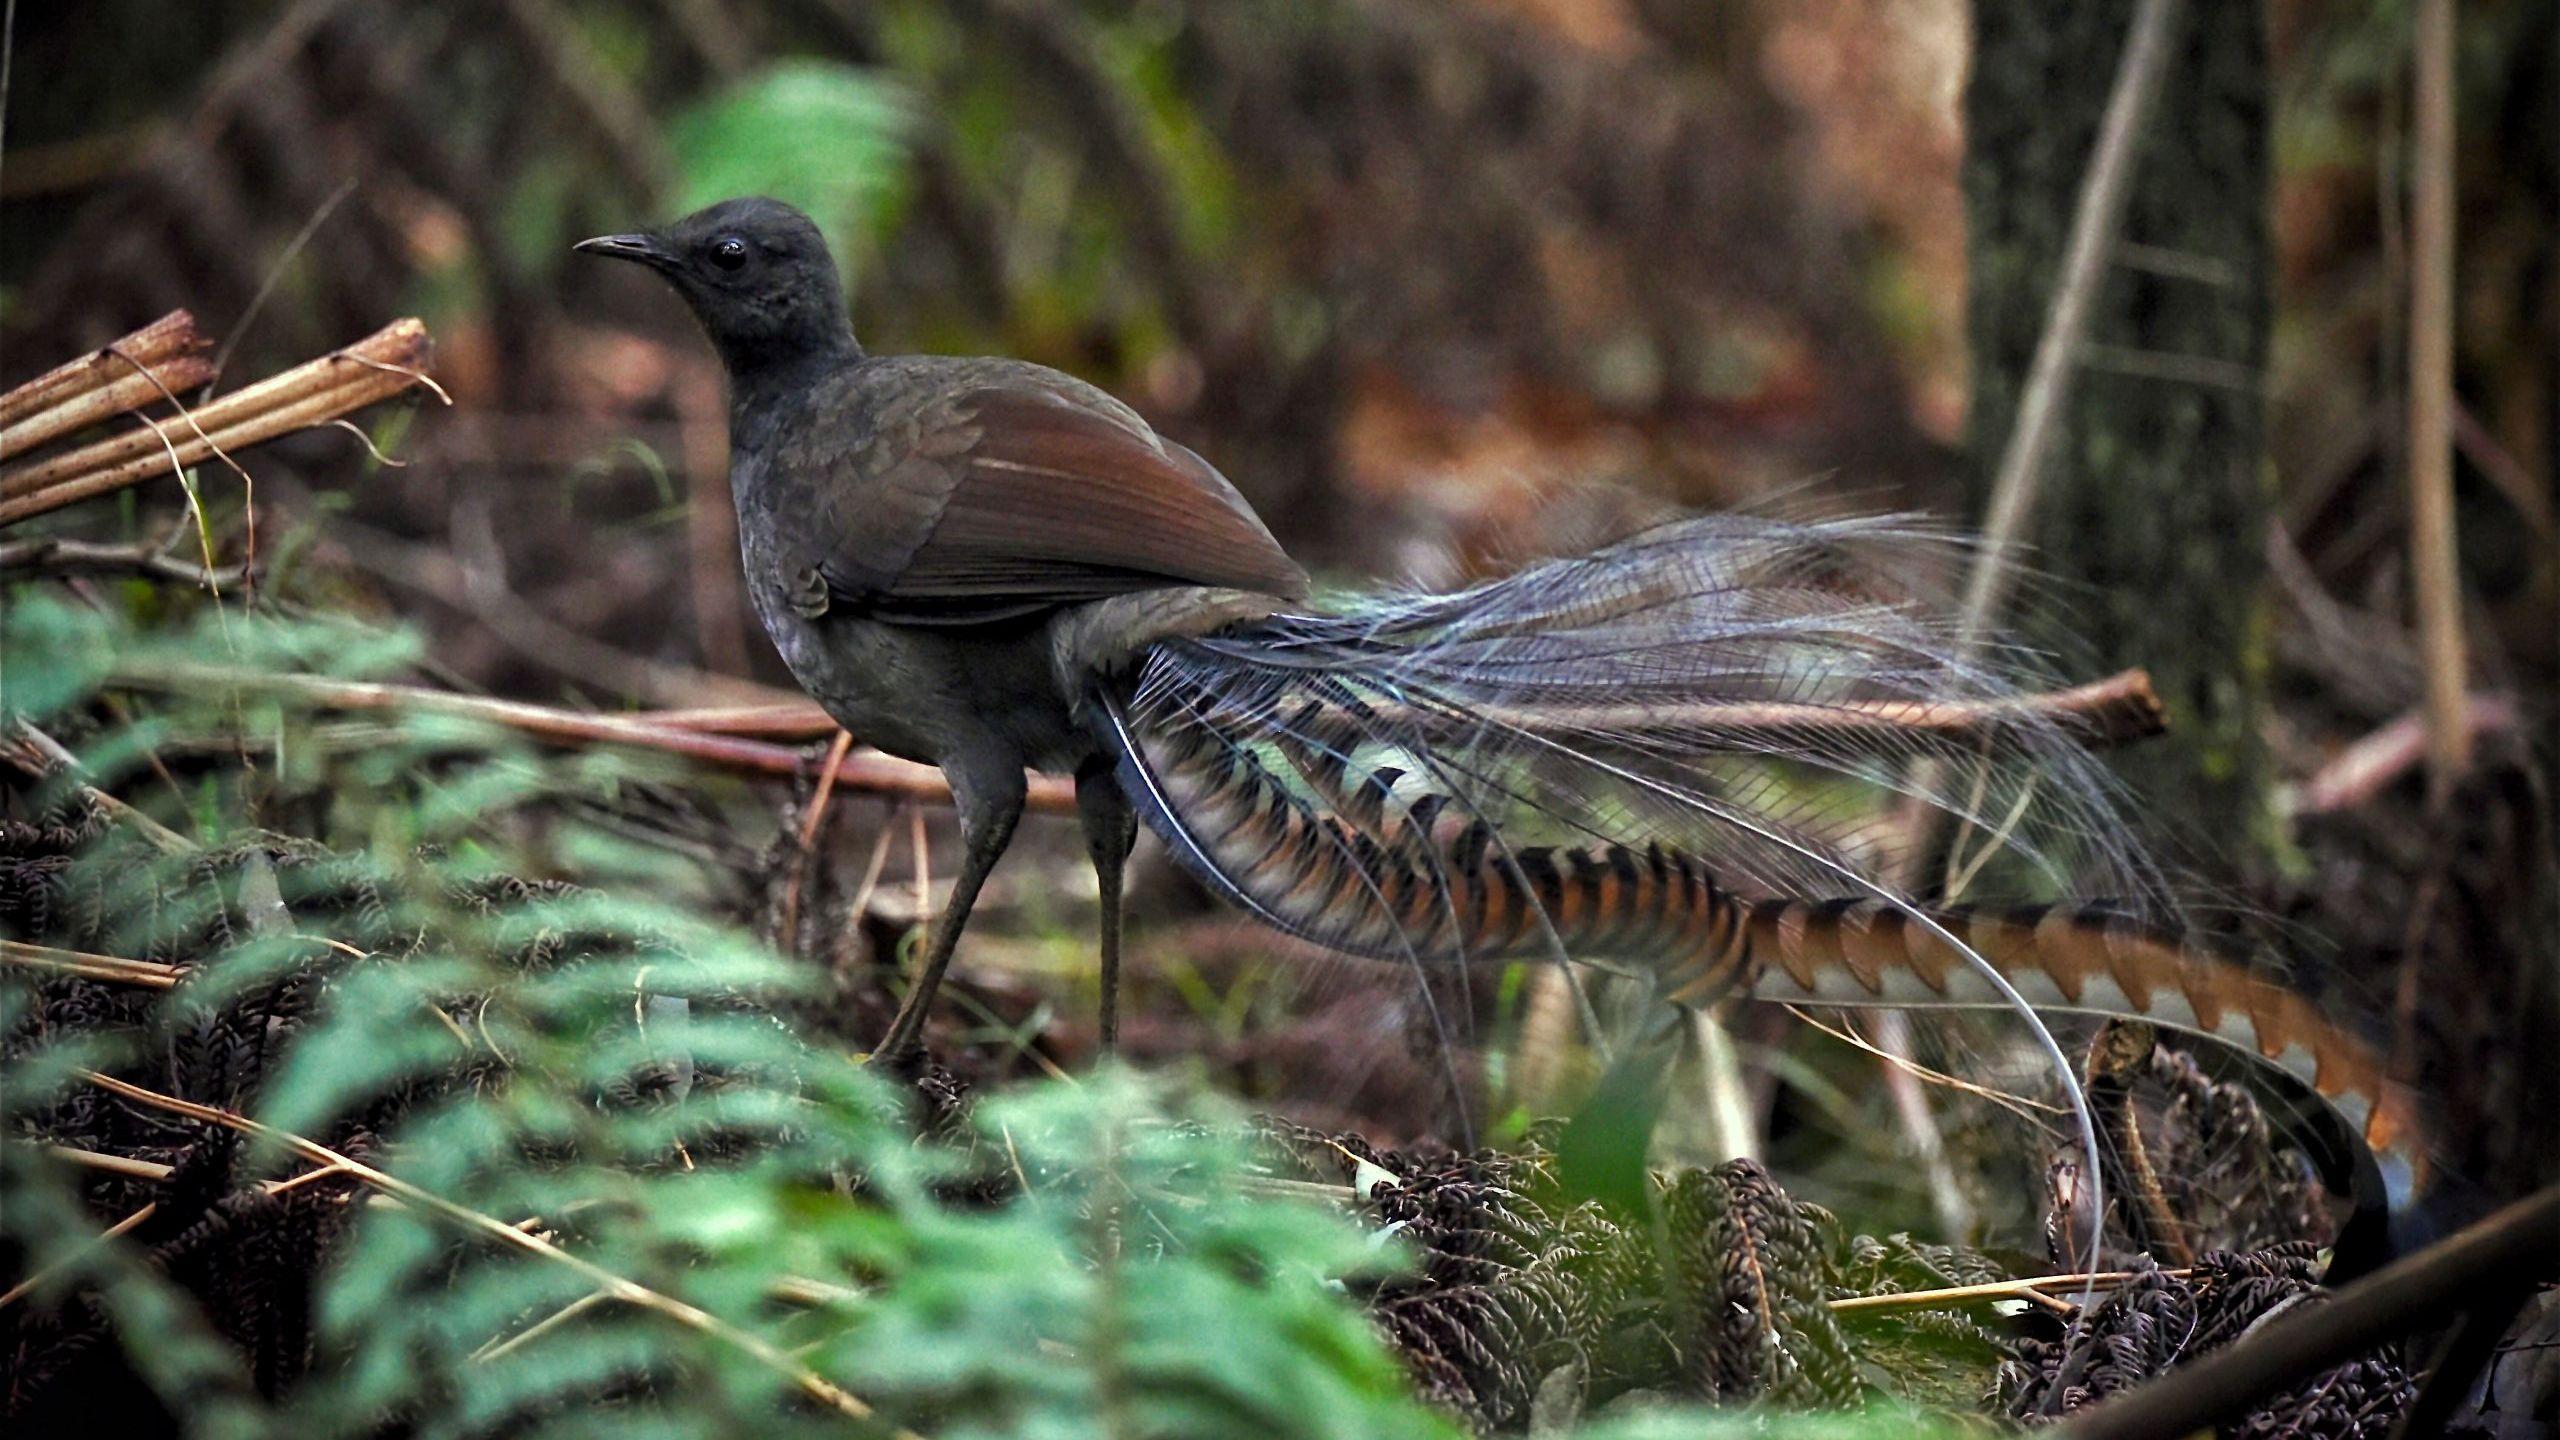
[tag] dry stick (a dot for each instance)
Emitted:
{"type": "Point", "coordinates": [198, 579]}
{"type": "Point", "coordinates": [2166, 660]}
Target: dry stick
{"type": "Point", "coordinates": [870, 772]}
{"type": "Point", "coordinates": [139, 1170]}
{"type": "Point", "coordinates": [27, 1287]}
{"type": "Point", "coordinates": [2050, 374]}
{"type": "Point", "coordinates": [375, 368]}
{"type": "Point", "coordinates": [2031, 1288]}
{"type": "Point", "coordinates": [402, 341]}
{"type": "Point", "coordinates": [2116, 710]}
{"type": "Point", "coordinates": [105, 402]}
{"type": "Point", "coordinates": [810, 824]}
{"type": "Point", "coordinates": [124, 1165]}
{"type": "Point", "coordinates": [112, 969]}
{"type": "Point", "coordinates": [45, 755]}
{"type": "Point", "coordinates": [112, 465]}
{"type": "Point", "coordinates": [53, 554]}
{"type": "Point", "coordinates": [2117, 1056]}
{"type": "Point", "coordinates": [2513, 1247]}
{"type": "Point", "coordinates": [615, 1286]}
{"type": "Point", "coordinates": [164, 340]}
{"type": "Point", "coordinates": [2435, 571]}
{"type": "Point", "coordinates": [2366, 767]}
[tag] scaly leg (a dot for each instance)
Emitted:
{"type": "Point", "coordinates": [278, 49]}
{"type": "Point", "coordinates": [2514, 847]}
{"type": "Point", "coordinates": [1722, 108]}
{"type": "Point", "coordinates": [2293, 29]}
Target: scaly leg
{"type": "Point", "coordinates": [988, 796]}
{"type": "Point", "coordinates": [1110, 831]}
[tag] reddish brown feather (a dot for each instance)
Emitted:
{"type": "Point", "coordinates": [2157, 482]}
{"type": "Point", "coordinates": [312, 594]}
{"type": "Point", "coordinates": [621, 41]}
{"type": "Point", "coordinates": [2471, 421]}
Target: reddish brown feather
{"type": "Point", "coordinates": [1048, 498]}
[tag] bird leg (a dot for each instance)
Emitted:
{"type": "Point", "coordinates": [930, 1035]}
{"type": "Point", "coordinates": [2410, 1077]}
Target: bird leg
{"type": "Point", "coordinates": [1110, 830]}
{"type": "Point", "coordinates": [989, 801]}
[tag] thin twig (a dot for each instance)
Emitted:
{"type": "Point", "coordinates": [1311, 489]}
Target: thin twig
{"type": "Point", "coordinates": [618, 1287]}
{"type": "Point", "coordinates": [125, 1226]}
{"type": "Point", "coordinates": [872, 869]}
{"type": "Point", "coordinates": [2016, 1104]}
{"type": "Point", "coordinates": [2366, 767]}
{"type": "Point", "coordinates": [2435, 570]}
{"type": "Point", "coordinates": [2032, 1288]}
{"type": "Point", "coordinates": [57, 555]}
{"type": "Point", "coordinates": [499, 1349]}
{"type": "Point", "coordinates": [124, 1165]}
{"type": "Point", "coordinates": [267, 286]}
{"type": "Point", "coordinates": [868, 771]}
{"type": "Point", "coordinates": [113, 969]}
{"type": "Point", "coordinates": [41, 754]}
{"type": "Point", "coordinates": [140, 1170]}
{"type": "Point", "coordinates": [2094, 223]}
{"type": "Point", "coordinates": [810, 825]}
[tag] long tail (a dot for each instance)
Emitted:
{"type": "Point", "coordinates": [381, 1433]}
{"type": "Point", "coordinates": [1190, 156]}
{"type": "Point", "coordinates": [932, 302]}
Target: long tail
{"type": "Point", "coordinates": [1652, 759]}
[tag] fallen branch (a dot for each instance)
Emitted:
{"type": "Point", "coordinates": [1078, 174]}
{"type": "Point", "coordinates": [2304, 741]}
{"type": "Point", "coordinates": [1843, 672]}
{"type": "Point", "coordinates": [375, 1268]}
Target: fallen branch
{"type": "Point", "coordinates": [867, 771]}
{"type": "Point", "coordinates": [2513, 1248]}
{"type": "Point", "coordinates": [143, 385]}
{"type": "Point", "coordinates": [2114, 711]}
{"type": "Point", "coordinates": [53, 554]}
{"type": "Point", "coordinates": [2117, 710]}
{"type": "Point", "coordinates": [373, 369]}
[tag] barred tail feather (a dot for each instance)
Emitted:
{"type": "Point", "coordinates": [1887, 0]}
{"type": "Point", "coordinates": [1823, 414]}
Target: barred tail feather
{"type": "Point", "coordinates": [1573, 762]}
{"type": "Point", "coordinates": [2073, 959]}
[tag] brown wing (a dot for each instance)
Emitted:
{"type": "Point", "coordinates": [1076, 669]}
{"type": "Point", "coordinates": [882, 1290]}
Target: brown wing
{"type": "Point", "coordinates": [1009, 497]}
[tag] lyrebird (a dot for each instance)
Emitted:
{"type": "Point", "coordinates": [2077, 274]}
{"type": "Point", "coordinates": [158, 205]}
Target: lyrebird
{"type": "Point", "coordinates": [990, 566]}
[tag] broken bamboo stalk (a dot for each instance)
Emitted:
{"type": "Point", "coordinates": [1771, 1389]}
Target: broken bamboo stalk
{"type": "Point", "coordinates": [170, 338]}
{"type": "Point", "coordinates": [373, 369]}
{"type": "Point", "coordinates": [142, 384]}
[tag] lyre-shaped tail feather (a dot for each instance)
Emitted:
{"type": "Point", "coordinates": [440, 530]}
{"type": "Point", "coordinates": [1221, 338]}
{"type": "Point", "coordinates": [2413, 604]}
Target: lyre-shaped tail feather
{"type": "Point", "coordinates": [2075, 959]}
{"type": "Point", "coordinates": [1552, 765]}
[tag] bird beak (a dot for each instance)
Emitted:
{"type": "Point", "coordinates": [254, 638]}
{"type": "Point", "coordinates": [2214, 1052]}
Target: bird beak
{"type": "Point", "coordinates": [643, 248]}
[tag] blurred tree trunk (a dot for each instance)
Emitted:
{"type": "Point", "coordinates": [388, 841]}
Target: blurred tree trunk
{"type": "Point", "coordinates": [2153, 511]}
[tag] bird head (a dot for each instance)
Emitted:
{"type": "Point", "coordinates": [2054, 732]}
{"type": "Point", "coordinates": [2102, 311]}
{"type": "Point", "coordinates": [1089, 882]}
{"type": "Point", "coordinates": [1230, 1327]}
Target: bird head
{"type": "Point", "coordinates": [756, 273]}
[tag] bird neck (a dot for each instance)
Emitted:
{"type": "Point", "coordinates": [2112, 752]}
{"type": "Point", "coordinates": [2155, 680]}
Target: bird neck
{"type": "Point", "coordinates": [758, 374]}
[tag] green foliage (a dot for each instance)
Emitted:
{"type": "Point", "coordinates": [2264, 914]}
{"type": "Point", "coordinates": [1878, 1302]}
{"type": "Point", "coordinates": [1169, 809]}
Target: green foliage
{"type": "Point", "coordinates": [729, 1213]}
{"type": "Point", "coordinates": [829, 138]}
{"type": "Point", "coordinates": [616, 1074]}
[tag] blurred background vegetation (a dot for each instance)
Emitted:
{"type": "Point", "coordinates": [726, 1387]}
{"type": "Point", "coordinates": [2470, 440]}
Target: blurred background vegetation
{"type": "Point", "coordinates": [1439, 284]}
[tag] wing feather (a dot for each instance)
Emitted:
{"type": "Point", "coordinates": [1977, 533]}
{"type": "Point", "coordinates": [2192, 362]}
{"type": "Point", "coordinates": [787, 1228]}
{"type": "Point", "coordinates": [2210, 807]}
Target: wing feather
{"type": "Point", "coordinates": [1029, 492]}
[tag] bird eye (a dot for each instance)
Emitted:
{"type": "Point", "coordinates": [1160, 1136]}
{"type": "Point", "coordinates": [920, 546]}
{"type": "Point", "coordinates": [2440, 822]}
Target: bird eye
{"type": "Point", "coordinates": [729, 252]}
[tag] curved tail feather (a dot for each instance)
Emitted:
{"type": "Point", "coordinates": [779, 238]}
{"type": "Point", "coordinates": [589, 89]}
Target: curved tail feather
{"type": "Point", "coordinates": [1543, 766]}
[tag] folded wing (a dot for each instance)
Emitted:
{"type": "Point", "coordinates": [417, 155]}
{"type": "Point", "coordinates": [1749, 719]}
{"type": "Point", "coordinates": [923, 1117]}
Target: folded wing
{"type": "Point", "coordinates": [1007, 494]}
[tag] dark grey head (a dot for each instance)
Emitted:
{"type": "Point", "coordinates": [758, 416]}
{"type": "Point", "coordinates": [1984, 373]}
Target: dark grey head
{"type": "Point", "coordinates": [757, 275]}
